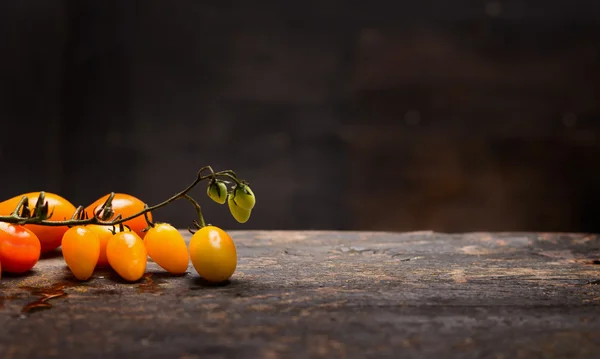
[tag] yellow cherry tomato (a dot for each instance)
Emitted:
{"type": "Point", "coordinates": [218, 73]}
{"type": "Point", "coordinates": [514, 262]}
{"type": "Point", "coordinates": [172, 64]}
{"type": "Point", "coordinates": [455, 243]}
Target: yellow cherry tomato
{"type": "Point", "coordinates": [166, 246]}
{"type": "Point", "coordinates": [213, 254]}
{"type": "Point", "coordinates": [104, 234]}
{"type": "Point", "coordinates": [81, 249]}
{"type": "Point", "coordinates": [127, 255]}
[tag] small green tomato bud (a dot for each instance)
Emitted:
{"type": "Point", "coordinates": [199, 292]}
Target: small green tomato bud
{"type": "Point", "coordinates": [240, 214]}
{"type": "Point", "coordinates": [217, 191]}
{"type": "Point", "coordinates": [244, 197]}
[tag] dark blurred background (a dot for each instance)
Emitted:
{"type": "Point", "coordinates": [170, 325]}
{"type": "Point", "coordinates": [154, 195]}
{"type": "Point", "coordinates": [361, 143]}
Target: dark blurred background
{"type": "Point", "coordinates": [383, 115]}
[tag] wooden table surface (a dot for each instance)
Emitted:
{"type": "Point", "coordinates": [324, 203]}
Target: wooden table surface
{"type": "Point", "coordinates": [326, 295]}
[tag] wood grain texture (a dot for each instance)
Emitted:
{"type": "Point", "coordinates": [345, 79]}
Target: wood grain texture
{"type": "Point", "coordinates": [327, 294]}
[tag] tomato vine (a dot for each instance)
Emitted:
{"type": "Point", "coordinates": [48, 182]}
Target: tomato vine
{"type": "Point", "coordinates": [39, 215]}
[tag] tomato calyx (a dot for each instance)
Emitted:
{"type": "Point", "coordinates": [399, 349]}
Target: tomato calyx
{"type": "Point", "coordinates": [197, 227]}
{"type": "Point", "coordinates": [79, 215]}
{"type": "Point", "coordinates": [41, 207]}
{"type": "Point", "coordinates": [148, 221]}
{"type": "Point", "coordinates": [40, 210]}
{"type": "Point", "coordinates": [121, 228]}
{"type": "Point", "coordinates": [105, 211]}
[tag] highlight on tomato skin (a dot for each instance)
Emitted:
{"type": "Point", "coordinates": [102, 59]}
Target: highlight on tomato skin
{"type": "Point", "coordinates": [126, 205]}
{"type": "Point", "coordinates": [20, 248]}
{"type": "Point", "coordinates": [81, 250]}
{"type": "Point", "coordinates": [127, 255]}
{"type": "Point", "coordinates": [213, 254]}
{"type": "Point", "coordinates": [50, 237]}
{"type": "Point", "coordinates": [167, 247]}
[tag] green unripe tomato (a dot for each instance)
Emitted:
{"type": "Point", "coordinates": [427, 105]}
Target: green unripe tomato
{"type": "Point", "coordinates": [217, 191]}
{"type": "Point", "coordinates": [244, 197]}
{"type": "Point", "coordinates": [240, 214]}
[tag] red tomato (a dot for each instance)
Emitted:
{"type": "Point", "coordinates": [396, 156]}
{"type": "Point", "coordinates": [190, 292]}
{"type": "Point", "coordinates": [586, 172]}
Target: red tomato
{"type": "Point", "coordinates": [126, 205]}
{"type": "Point", "coordinates": [19, 248]}
{"type": "Point", "coordinates": [61, 209]}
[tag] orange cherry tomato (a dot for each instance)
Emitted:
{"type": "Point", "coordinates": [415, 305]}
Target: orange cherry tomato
{"type": "Point", "coordinates": [166, 246]}
{"type": "Point", "coordinates": [126, 205]}
{"type": "Point", "coordinates": [61, 209]}
{"type": "Point", "coordinates": [81, 249]}
{"type": "Point", "coordinates": [104, 234]}
{"type": "Point", "coordinates": [213, 254]}
{"type": "Point", "coordinates": [19, 248]}
{"type": "Point", "coordinates": [127, 255]}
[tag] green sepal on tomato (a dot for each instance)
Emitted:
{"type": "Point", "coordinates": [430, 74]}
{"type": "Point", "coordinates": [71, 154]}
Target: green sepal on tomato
{"type": "Point", "coordinates": [125, 205]}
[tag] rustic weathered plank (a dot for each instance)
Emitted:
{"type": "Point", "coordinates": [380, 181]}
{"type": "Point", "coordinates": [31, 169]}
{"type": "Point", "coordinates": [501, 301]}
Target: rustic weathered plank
{"type": "Point", "coordinates": [327, 294]}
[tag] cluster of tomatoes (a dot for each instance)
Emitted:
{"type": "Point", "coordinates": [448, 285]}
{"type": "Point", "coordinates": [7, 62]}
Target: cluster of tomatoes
{"type": "Point", "coordinates": [124, 248]}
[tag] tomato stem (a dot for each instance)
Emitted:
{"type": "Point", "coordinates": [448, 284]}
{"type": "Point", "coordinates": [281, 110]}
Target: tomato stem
{"type": "Point", "coordinates": [77, 214]}
{"type": "Point", "coordinates": [201, 222]}
{"type": "Point", "coordinates": [24, 201]}
{"type": "Point", "coordinates": [40, 214]}
{"type": "Point", "coordinates": [148, 221]}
